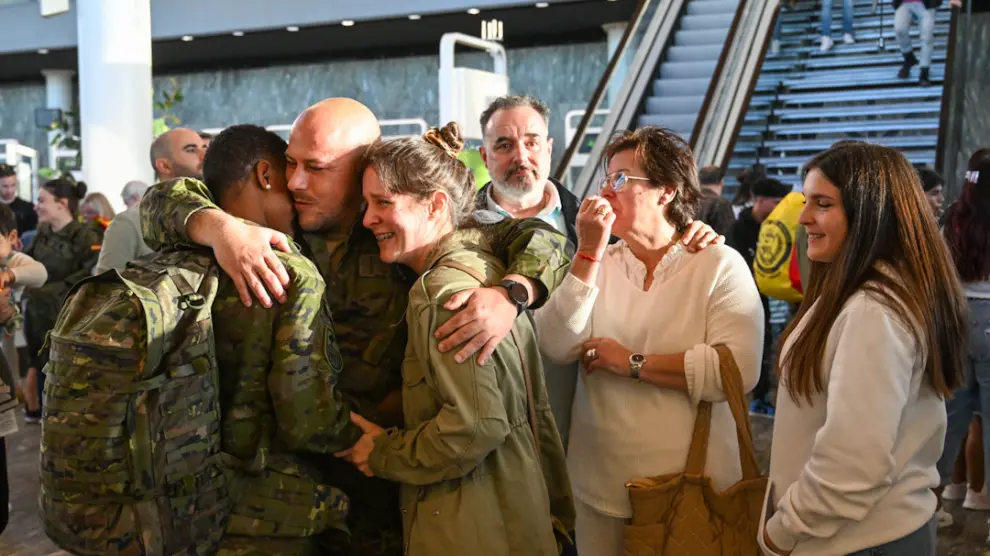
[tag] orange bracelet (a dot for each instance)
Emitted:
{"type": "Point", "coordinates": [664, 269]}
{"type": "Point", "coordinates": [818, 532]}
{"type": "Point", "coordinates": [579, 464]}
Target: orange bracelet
{"type": "Point", "coordinates": [588, 257]}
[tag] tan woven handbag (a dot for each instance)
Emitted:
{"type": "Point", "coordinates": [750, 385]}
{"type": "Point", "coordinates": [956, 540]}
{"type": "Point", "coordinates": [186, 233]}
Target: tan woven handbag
{"type": "Point", "coordinates": [681, 514]}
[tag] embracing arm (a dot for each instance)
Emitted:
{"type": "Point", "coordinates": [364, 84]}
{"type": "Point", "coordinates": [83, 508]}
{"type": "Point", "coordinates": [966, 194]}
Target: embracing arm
{"type": "Point", "coordinates": [169, 214]}
{"type": "Point", "coordinates": [869, 382]}
{"type": "Point", "coordinates": [471, 422]}
{"type": "Point", "coordinates": [183, 212]}
{"type": "Point", "coordinates": [531, 249]}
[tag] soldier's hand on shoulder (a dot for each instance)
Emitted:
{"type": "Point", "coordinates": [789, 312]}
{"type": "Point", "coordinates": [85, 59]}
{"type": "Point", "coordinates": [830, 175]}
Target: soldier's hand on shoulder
{"type": "Point", "coordinates": [484, 317]}
{"type": "Point", "coordinates": [245, 253]}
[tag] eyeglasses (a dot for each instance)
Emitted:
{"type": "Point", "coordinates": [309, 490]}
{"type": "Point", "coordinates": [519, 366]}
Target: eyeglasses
{"type": "Point", "coordinates": [617, 181]}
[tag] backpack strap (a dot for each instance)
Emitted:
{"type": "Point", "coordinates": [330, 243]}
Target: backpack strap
{"type": "Point", "coordinates": [530, 401]}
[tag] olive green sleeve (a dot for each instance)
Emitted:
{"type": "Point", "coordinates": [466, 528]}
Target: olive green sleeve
{"type": "Point", "coordinates": [532, 248]}
{"type": "Point", "coordinates": [166, 209]}
{"type": "Point", "coordinates": [471, 424]}
{"type": "Point", "coordinates": [86, 251]}
{"type": "Point", "coordinates": [311, 414]}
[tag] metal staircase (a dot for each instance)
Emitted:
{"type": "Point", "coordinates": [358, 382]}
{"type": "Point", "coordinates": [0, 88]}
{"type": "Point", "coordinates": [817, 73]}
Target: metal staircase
{"type": "Point", "coordinates": [805, 100]}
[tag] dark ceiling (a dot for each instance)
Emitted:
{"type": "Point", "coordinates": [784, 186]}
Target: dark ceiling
{"type": "Point", "coordinates": [529, 26]}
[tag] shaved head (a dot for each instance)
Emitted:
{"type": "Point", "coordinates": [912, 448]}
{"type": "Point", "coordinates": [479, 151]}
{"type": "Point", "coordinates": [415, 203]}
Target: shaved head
{"type": "Point", "coordinates": [178, 153]}
{"type": "Point", "coordinates": [323, 162]}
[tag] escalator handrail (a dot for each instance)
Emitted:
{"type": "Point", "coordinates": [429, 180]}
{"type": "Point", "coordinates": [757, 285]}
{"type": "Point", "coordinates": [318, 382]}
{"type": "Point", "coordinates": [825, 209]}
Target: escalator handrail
{"type": "Point", "coordinates": [723, 55]}
{"type": "Point", "coordinates": [734, 85]}
{"type": "Point", "coordinates": [659, 36]}
{"type": "Point", "coordinates": [944, 112]}
{"type": "Point", "coordinates": [740, 119]}
{"type": "Point", "coordinates": [600, 89]}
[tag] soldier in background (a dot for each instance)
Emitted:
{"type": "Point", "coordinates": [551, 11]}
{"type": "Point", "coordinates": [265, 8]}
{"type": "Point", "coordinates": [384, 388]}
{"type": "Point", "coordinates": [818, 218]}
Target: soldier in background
{"type": "Point", "coordinates": [366, 296]}
{"type": "Point", "coordinates": [69, 249]}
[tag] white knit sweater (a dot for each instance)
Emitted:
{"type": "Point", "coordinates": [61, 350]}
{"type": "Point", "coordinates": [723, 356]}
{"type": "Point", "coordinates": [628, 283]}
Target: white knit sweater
{"type": "Point", "coordinates": [854, 469]}
{"type": "Point", "coordinates": [622, 429]}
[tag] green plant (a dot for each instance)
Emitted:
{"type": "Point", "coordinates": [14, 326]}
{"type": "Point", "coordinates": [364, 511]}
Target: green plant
{"type": "Point", "coordinates": [171, 96]}
{"type": "Point", "coordinates": [66, 138]}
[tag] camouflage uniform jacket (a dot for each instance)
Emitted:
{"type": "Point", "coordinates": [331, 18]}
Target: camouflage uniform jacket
{"type": "Point", "coordinates": [367, 297]}
{"type": "Point", "coordinates": [472, 479]}
{"type": "Point", "coordinates": [69, 256]}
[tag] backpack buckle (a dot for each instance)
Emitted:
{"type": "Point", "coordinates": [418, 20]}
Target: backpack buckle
{"type": "Point", "coordinates": [191, 301]}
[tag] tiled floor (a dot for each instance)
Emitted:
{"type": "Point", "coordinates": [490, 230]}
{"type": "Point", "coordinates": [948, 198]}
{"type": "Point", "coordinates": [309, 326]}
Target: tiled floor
{"type": "Point", "coordinates": [24, 537]}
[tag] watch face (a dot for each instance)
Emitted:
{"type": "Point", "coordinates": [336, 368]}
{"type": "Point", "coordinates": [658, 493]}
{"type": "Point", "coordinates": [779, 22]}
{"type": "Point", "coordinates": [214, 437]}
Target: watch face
{"type": "Point", "coordinates": [637, 358]}
{"type": "Point", "coordinates": [517, 292]}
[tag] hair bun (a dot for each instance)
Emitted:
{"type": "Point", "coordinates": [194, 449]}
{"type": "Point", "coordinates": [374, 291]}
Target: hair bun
{"type": "Point", "coordinates": [81, 189]}
{"type": "Point", "coordinates": [447, 138]}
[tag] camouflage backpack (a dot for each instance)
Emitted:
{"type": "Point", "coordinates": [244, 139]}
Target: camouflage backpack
{"type": "Point", "coordinates": [131, 459]}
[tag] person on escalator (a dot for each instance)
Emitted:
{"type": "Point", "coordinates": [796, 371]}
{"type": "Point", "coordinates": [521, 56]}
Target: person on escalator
{"type": "Point", "coordinates": [924, 11]}
{"type": "Point", "coordinates": [847, 24]}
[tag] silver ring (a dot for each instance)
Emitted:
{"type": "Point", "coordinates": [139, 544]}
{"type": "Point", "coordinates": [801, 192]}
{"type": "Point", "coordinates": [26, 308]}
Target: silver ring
{"type": "Point", "coordinates": [591, 354]}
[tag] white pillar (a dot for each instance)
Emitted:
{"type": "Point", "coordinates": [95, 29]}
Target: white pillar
{"type": "Point", "coordinates": [58, 94]}
{"type": "Point", "coordinates": [115, 93]}
{"type": "Point", "coordinates": [613, 34]}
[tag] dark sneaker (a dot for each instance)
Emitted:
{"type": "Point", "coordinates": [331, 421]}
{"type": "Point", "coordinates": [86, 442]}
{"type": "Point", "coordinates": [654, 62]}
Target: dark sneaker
{"type": "Point", "coordinates": [925, 79]}
{"type": "Point", "coordinates": [909, 62]}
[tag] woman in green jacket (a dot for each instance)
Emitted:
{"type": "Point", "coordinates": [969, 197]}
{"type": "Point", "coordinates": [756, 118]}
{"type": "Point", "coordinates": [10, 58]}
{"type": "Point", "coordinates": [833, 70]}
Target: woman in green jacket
{"type": "Point", "coordinates": [480, 461]}
{"type": "Point", "coordinates": [69, 248]}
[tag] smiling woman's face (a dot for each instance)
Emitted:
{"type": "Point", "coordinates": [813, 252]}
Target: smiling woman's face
{"type": "Point", "coordinates": [824, 217]}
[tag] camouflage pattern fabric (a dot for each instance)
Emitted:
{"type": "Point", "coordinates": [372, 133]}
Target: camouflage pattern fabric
{"type": "Point", "coordinates": [367, 299]}
{"type": "Point", "coordinates": [131, 461]}
{"type": "Point", "coordinates": [69, 256]}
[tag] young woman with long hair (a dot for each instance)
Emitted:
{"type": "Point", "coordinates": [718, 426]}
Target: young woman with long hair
{"type": "Point", "coordinates": [865, 365]}
{"type": "Point", "coordinates": [967, 232]}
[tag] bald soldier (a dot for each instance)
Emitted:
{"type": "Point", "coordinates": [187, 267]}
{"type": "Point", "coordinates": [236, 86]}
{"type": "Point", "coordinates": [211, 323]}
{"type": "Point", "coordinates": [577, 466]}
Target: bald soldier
{"type": "Point", "coordinates": [366, 297]}
{"type": "Point", "coordinates": [178, 153]}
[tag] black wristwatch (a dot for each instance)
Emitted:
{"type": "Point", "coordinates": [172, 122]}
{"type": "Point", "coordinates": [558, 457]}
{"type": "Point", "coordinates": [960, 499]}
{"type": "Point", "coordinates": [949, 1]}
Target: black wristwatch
{"type": "Point", "coordinates": [517, 294]}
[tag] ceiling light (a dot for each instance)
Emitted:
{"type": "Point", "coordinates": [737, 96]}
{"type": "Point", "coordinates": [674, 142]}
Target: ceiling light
{"type": "Point", "coordinates": [292, 28]}
{"type": "Point", "coordinates": [238, 33]}
{"type": "Point", "coordinates": [187, 38]}
{"type": "Point", "coordinates": [347, 23]}
{"type": "Point", "coordinates": [414, 17]}
{"type": "Point", "coordinates": [542, 4]}
{"type": "Point", "coordinates": [42, 51]}
{"type": "Point", "coordinates": [474, 11]}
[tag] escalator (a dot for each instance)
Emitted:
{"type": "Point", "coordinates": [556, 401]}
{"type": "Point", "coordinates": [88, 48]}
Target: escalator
{"type": "Point", "coordinates": [672, 66]}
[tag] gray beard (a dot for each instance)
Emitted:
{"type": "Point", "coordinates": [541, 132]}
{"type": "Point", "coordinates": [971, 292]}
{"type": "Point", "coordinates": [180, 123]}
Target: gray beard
{"type": "Point", "coordinates": [513, 193]}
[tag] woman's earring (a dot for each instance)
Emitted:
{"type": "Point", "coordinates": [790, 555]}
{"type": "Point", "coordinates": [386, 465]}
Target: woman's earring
{"type": "Point", "coordinates": [268, 185]}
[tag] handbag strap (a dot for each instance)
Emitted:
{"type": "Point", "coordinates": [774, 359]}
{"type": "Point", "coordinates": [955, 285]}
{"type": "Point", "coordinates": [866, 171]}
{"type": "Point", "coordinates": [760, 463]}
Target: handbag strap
{"type": "Point", "coordinates": [531, 405]}
{"type": "Point", "coordinates": [736, 398]}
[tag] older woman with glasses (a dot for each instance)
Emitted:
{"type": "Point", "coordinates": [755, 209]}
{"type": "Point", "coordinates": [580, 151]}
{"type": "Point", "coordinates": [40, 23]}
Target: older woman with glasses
{"type": "Point", "coordinates": [643, 317]}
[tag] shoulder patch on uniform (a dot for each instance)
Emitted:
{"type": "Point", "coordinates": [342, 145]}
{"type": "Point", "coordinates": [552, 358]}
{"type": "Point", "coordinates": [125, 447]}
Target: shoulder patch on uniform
{"type": "Point", "coordinates": [488, 217]}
